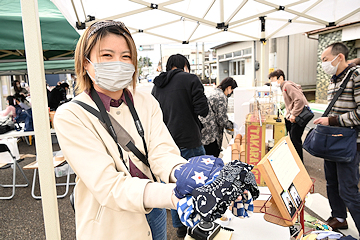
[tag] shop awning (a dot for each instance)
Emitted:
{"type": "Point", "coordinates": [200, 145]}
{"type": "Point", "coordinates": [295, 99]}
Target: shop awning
{"type": "Point", "coordinates": [58, 37]}
{"type": "Point", "coordinates": [51, 67]}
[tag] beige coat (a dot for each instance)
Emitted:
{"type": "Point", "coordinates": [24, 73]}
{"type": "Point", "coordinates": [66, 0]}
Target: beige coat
{"type": "Point", "coordinates": [293, 97]}
{"type": "Point", "coordinates": [109, 202]}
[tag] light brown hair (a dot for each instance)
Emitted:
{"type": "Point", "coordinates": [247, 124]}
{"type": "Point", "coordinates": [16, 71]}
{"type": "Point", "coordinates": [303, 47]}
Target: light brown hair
{"type": "Point", "coordinates": [87, 41]}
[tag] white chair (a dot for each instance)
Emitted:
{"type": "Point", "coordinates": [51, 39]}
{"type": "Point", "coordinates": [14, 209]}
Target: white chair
{"type": "Point", "coordinates": [57, 163]}
{"type": "Point", "coordinates": [6, 153]}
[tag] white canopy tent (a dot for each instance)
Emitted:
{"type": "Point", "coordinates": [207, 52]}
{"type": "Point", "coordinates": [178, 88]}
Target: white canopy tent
{"type": "Point", "coordinates": [190, 21]}
{"type": "Point", "coordinates": [180, 21]}
{"type": "Point", "coordinates": [210, 20]}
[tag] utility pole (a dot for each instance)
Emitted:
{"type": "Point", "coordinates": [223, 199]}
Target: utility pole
{"type": "Point", "coordinates": [161, 59]}
{"type": "Point", "coordinates": [203, 61]}
{"type": "Point", "coordinates": [197, 59]}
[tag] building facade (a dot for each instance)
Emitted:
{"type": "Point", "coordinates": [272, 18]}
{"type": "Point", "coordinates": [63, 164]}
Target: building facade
{"type": "Point", "coordinates": [296, 55]}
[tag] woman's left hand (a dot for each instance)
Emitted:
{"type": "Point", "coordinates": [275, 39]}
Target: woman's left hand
{"type": "Point", "coordinates": [174, 200]}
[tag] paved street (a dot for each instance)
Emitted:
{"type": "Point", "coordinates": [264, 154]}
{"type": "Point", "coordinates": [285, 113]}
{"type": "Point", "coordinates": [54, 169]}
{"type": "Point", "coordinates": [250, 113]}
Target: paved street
{"type": "Point", "coordinates": [21, 217]}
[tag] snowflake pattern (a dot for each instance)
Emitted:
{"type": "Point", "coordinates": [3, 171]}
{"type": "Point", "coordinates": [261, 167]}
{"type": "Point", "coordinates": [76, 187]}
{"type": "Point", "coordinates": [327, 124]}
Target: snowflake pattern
{"type": "Point", "coordinates": [207, 161]}
{"type": "Point", "coordinates": [199, 177]}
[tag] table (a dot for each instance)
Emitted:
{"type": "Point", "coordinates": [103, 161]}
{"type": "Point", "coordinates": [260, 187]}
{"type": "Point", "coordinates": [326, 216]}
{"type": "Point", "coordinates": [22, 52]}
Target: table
{"type": "Point", "coordinates": [21, 133]}
{"type": "Point", "coordinates": [255, 227]}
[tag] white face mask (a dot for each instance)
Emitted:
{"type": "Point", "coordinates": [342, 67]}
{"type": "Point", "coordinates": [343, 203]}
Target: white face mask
{"type": "Point", "coordinates": [329, 68]}
{"type": "Point", "coordinates": [112, 76]}
{"type": "Point", "coordinates": [275, 84]}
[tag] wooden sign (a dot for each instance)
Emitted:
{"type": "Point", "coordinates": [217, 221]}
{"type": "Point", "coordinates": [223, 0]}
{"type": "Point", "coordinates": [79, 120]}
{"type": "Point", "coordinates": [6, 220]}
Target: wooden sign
{"type": "Point", "coordinates": [287, 180]}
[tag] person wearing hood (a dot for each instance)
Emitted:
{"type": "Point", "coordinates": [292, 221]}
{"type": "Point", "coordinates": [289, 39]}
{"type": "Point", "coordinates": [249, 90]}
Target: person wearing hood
{"type": "Point", "coordinates": [217, 119]}
{"type": "Point", "coordinates": [58, 96]}
{"type": "Point", "coordinates": [182, 100]}
{"type": "Point", "coordinates": [294, 102]}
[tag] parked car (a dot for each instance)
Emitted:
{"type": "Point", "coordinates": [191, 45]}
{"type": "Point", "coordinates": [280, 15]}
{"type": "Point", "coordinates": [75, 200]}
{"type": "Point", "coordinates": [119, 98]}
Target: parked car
{"type": "Point", "coordinates": [150, 77]}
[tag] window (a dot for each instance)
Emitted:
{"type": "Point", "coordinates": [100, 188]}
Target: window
{"type": "Point", "coordinates": [228, 55]}
{"type": "Point", "coordinates": [241, 67]}
{"type": "Point", "coordinates": [247, 51]}
{"type": "Point", "coordinates": [237, 53]}
{"type": "Point", "coordinates": [237, 67]}
{"type": "Point", "coordinates": [221, 57]}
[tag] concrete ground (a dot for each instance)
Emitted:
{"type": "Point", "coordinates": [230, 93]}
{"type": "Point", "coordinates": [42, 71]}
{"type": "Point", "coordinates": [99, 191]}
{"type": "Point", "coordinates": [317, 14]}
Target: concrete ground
{"type": "Point", "coordinates": [21, 217]}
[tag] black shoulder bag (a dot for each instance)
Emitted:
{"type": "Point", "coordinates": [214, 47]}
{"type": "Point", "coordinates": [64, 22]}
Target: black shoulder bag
{"type": "Point", "coordinates": [336, 144]}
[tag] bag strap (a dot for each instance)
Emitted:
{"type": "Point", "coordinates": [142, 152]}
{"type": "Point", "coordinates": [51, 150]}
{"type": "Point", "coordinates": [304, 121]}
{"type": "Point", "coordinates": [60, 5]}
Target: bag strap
{"type": "Point", "coordinates": [137, 122]}
{"type": "Point", "coordinates": [97, 114]}
{"type": "Point", "coordinates": [104, 117]}
{"type": "Point", "coordinates": [338, 93]}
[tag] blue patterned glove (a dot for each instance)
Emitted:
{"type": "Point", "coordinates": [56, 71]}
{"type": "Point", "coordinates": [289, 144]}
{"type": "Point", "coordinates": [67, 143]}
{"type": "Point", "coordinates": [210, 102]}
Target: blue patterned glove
{"type": "Point", "coordinates": [196, 173]}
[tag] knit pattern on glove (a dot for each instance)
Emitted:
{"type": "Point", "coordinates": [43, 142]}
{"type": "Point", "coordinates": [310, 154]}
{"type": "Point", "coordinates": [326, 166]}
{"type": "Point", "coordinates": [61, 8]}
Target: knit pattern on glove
{"type": "Point", "coordinates": [196, 173]}
{"type": "Point", "coordinates": [211, 201]}
{"type": "Point", "coordinates": [243, 208]}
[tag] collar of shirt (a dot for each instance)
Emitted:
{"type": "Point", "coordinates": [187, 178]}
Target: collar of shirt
{"type": "Point", "coordinates": [109, 102]}
{"type": "Point", "coordinates": [334, 78]}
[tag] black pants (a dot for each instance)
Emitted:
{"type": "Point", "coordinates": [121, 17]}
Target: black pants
{"type": "Point", "coordinates": [212, 149]}
{"type": "Point", "coordinates": [342, 181]}
{"type": "Point", "coordinates": [295, 132]}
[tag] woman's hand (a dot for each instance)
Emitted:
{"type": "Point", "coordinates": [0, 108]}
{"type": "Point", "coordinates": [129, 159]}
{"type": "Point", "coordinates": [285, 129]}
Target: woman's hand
{"type": "Point", "coordinates": [174, 200]}
{"type": "Point", "coordinates": [322, 120]}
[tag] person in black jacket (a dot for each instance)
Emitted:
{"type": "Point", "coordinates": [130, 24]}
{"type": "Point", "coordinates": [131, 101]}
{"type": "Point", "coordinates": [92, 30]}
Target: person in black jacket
{"type": "Point", "coordinates": [182, 100]}
{"type": "Point", "coordinates": [58, 96]}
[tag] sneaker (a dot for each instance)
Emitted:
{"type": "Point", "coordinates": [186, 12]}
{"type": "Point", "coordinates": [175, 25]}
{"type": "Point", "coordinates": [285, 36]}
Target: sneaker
{"type": "Point", "coordinates": [181, 232]}
{"type": "Point", "coordinates": [335, 224]}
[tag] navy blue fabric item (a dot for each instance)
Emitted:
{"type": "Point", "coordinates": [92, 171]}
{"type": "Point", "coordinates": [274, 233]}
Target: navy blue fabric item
{"type": "Point", "coordinates": [211, 201]}
{"type": "Point", "coordinates": [186, 208]}
{"type": "Point", "coordinates": [196, 173]}
{"type": "Point", "coordinates": [187, 154]}
{"type": "Point", "coordinates": [336, 144]}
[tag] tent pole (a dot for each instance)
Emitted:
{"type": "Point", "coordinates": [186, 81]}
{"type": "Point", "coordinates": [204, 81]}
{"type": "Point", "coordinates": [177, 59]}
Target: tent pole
{"type": "Point", "coordinates": [33, 46]}
{"type": "Point", "coordinates": [221, 11]}
{"type": "Point", "coordinates": [262, 50]}
{"type": "Point", "coordinates": [203, 61]}
{"type": "Point", "coordinates": [262, 64]}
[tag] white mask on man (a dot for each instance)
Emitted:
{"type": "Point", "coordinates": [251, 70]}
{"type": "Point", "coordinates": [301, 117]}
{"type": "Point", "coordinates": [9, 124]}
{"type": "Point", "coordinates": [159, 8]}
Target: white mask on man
{"type": "Point", "coordinates": [112, 76]}
{"type": "Point", "coordinates": [329, 68]}
{"type": "Point", "coordinates": [275, 84]}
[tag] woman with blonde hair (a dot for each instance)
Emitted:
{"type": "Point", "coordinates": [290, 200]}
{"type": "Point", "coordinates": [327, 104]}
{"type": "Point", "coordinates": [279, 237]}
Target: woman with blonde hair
{"type": "Point", "coordinates": [117, 195]}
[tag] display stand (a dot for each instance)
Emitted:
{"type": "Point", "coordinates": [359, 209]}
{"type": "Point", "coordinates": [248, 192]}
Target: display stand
{"type": "Point", "coordinates": [288, 182]}
{"type": "Point", "coordinates": [255, 135]}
